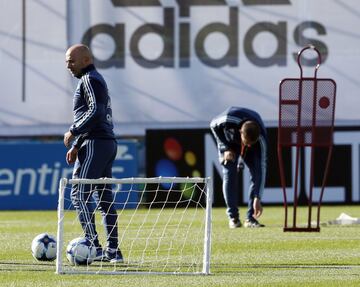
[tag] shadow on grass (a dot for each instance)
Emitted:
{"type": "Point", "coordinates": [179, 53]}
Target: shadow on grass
{"type": "Point", "coordinates": [215, 268]}
{"type": "Point", "coordinates": [226, 268]}
{"type": "Point", "coordinates": [21, 266]}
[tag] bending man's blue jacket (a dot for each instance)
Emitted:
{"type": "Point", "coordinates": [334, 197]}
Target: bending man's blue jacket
{"type": "Point", "coordinates": [225, 127]}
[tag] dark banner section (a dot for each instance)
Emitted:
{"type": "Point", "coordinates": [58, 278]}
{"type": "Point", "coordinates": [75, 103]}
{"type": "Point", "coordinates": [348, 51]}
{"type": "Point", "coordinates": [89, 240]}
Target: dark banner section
{"type": "Point", "coordinates": [175, 153]}
{"type": "Point", "coordinates": [192, 153]}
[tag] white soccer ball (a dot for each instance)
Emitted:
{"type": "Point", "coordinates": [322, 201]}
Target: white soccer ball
{"type": "Point", "coordinates": [43, 247]}
{"type": "Point", "coordinates": [80, 251]}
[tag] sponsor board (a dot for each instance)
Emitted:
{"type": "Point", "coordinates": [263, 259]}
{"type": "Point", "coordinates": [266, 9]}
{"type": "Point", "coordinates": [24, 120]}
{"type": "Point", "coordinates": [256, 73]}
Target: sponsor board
{"type": "Point", "coordinates": [30, 172]}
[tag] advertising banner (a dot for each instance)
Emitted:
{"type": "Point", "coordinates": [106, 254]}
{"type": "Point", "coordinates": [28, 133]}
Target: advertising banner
{"type": "Point", "coordinates": [193, 153]}
{"type": "Point", "coordinates": [171, 63]}
{"type": "Point", "coordinates": [30, 173]}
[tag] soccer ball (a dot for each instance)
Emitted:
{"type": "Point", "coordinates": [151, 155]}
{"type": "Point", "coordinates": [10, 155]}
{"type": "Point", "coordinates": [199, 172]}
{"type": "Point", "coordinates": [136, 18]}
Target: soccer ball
{"type": "Point", "coordinates": [80, 251]}
{"type": "Point", "coordinates": [43, 247]}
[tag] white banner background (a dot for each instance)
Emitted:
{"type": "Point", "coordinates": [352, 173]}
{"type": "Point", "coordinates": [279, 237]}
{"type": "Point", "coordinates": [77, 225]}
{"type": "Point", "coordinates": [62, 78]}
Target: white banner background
{"type": "Point", "coordinates": [36, 95]}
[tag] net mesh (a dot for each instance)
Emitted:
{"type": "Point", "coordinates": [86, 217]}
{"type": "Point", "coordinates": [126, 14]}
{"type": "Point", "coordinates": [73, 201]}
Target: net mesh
{"type": "Point", "coordinates": [306, 112]}
{"type": "Point", "coordinates": [161, 226]}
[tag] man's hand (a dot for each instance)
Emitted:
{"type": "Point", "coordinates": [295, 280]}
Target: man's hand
{"type": "Point", "coordinates": [257, 208]}
{"type": "Point", "coordinates": [229, 155]}
{"type": "Point", "coordinates": [71, 155]}
{"type": "Point", "coordinates": [68, 138]}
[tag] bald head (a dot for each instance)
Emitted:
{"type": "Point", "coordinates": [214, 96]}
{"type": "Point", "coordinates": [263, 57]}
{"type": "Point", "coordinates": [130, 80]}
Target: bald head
{"type": "Point", "coordinates": [78, 57]}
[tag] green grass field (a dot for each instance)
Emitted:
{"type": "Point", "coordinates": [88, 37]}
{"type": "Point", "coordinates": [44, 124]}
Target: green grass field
{"type": "Point", "coordinates": [240, 257]}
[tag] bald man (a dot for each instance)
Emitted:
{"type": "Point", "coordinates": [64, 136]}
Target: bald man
{"type": "Point", "coordinates": [92, 150]}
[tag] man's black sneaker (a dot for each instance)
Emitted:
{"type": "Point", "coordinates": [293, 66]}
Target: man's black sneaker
{"type": "Point", "coordinates": [252, 223]}
{"type": "Point", "coordinates": [114, 255]}
{"type": "Point", "coordinates": [234, 222]}
{"type": "Point", "coordinates": [100, 255]}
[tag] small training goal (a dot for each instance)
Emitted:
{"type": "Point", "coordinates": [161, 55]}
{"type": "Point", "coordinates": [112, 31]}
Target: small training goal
{"type": "Point", "coordinates": [164, 225]}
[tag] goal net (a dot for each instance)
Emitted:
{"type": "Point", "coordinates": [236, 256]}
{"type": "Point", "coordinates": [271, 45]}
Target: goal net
{"type": "Point", "coordinates": [164, 225]}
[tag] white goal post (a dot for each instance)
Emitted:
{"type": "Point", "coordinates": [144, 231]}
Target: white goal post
{"type": "Point", "coordinates": [164, 225]}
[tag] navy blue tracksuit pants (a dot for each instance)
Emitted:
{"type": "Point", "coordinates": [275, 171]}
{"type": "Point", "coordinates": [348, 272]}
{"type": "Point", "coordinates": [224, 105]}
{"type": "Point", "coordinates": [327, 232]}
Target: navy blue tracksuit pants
{"type": "Point", "coordinates": [256, 161]}
{"type": "Point", "coordinates": [95, 159]}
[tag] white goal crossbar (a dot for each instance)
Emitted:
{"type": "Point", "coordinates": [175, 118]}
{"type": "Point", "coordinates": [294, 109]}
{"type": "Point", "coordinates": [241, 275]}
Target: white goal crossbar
{"type": "Point", "coordinates": [160, 223]}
